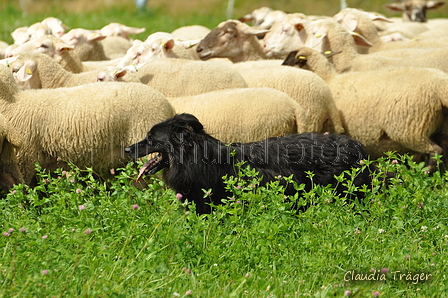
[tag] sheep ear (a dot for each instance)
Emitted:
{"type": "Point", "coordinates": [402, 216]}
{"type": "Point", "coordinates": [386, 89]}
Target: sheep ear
{"type": "Point", "coordinates": [329, 54]}
{"type": "Point", "coordinates": [96, 36]}
{"type": "Point", "coordinates": [360, 40]}
{"type": "Point", "coordinates": [62, 47]}
{"type": "Point", "coordinates": [120, 72]}
{"type": "Point", "coordinates": [396, 6]}
{"type": "Point", "coordinates": [290, 59]}
{"type": "Point", "coordinates": [254, 31]}
{"type": "Point", "coordinates": [8, 61]}
{"type": "Point", "coordinates": [299, 26]}
{"type": "Point", "coordinates": [434, 4]}
{"type": "Point", "coordinates": [26, 71]}
{"type": "Point", "coordinates": [349, 21]}
{"type": "Point", "coordinates": [188, 44]}
{"type": "Point", "coordinates": [134, 30]}
{"type": "Point", "coordinates": [246, 18]}
{"type": "Point", "coordinates": [377, 17]}
{"type": "Point", "coordinates": [167, 44]}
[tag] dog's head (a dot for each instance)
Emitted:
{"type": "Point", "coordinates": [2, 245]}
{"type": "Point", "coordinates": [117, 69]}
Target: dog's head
{"type": "Point", "coordinates": [164, 141]}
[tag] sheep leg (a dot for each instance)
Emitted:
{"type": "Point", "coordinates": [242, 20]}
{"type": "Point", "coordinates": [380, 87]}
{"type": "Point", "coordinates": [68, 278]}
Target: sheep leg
{"type": "Point", "coordinates": [431, 149]}
{"type": "Point", "coordinates": [425, 146]}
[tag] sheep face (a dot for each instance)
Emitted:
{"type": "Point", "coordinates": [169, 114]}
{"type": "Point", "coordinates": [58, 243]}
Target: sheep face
{"type": "Point", "coordinates": [414, 10]}
{"type": "Point", "coordinates": [226, 41]}
{"type": "Point", "coordinates": [79, 36]}
{"type": "Point", "coordinates": [56, 26]}
{"type": "Point", "coordinates": [25, 74]}
{"type": "Point", "coordinates": [117, 29]}
{"type": "Point", "coordinates": [284, 37]}
{"type": "Point", "coordinates": [221, 42]}
{"type": "Point", "coordinates": [134, 54]}
{"type": "Point", "coordinates": [47, 44]}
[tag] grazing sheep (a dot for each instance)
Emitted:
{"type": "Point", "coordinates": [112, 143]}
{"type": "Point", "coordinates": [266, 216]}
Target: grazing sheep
{"type": "Point", "coordinates": [362, 23]}
{"type": "Point", "coordinates": [265, 17]}
{"type": "Point", "coordinates": [179, 77]}
{"type": "Point", "coordinates": [234, 40]}
{"type": "Point", "coordinates": [414, 10]}
{"type": "Point", "coordinates": [36, 71]}
{"type": "Point", "coordinates": [88, 125]}
{"type": "Point", "coordinates": [284, 37]}
{"type": "Point", "coordinates": [117, 29]}
{"type": "Point", "coordinates": [395, 109]}
{"type": "Point", "coordinates": [339, 39]}
{"type": "Point", "coordinates": [300, 32]}
{"type": "Point", "coordinates": [190, 32]}
{"type": "Point", "coordinates": [257, 16]}
{"type": "Point", "coordinates": [158, 45]}
{"type": "Point", "coordinates": [306, 88]}
{"type": "Point", "coordinates": [244, 114]}
{"type": "Point", "coordinates": [55, 48]}
{"type": "Point", "coordinates": [10, 141]}
{"type": "Point", "coordinates": [38, 30]}
{"type": "Point", "coordinates": [56, 26]}
{"type": "Point", "coordinates": [20, 35]}
{"type": "Point", "coordinates": [87, 44]}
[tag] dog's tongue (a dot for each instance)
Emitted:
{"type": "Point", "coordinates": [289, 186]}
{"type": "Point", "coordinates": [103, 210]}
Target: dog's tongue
{"type": "Point", "coordinates": [144, 169]}
{"type": "Point", "coordinates": [146, 166]}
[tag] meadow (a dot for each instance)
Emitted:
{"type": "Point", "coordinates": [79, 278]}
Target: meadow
{"type": "Point", "coordinates": [78, 235]}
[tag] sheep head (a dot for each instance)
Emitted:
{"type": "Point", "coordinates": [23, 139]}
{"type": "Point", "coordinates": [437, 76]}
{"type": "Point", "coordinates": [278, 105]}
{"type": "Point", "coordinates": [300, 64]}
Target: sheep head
{"type": "Point", "coordinates": [414, 10]}
{"type": "Point", "coordinates": [226, 40]}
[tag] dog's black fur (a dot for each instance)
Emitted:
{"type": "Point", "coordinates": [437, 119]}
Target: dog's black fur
{"type": "Point", "coordinates": [193, 160]}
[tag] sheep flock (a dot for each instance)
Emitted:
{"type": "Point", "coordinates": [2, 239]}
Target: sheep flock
{"type": "Point", "coordinates": [82, 96]}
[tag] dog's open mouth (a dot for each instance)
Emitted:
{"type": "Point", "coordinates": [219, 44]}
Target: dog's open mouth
{"type": "Point", "coordinates": [154, 159]}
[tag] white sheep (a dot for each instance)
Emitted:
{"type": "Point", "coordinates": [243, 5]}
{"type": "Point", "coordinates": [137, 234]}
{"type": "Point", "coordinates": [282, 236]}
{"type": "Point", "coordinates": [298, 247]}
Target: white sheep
{"type": "Point", "coordinates": [234, 40]}
{"type": "Point", "coordinates": [56, 26]}
{"type": "Point", "coordinates": [37, 30]}
{"type": "Point", "coordinates": [306, 88]}
{"type": "Point", "coordinates": [10, 142]}
{"type": "Point", "coordinates": [339, 39]}
{"type": "Point", "coordinates": [414, 10]}
{"type": "Point", "coordinates": [20, 35]}
{"type": "Point", "coordinates": [87, 44]}
{"type": "Point", "coordinates": [264, 17]}
{"type": "Point", "coordinates": [117, 29]}
{"type": "Point", "coordinates": [256, 16]}
{"type": "Point", "coordinates": [395, 109]}
{"type": "Point", "coordinates": [285, 36]}
{"type": "Point", "coordinates": [190, 32]}
{"type": "Point", "coordinates": [36, 71]}
{"type": "Point", "coordinates": [179, 77]}
{"type": "Point", "coordinates": [88, 125]}
{"type": "Point", "coordinates": [158, 45]}
{"type": "Point", "coordinates": [362, 23]}
{"type": "Point", "coordinates": [300, 32]}
{"type": "Point", "coordinates": [244, 114]}
{"type": "Point", "coordinates": [55, 48]}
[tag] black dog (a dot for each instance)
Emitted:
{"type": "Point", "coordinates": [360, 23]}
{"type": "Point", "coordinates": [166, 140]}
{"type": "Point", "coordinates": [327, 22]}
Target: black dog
{"type": "Point", "coordinates": [193, 160]}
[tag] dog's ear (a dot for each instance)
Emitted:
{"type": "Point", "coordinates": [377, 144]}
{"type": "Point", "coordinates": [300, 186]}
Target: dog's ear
{"type": "Point", "coordinates": [188, 122]}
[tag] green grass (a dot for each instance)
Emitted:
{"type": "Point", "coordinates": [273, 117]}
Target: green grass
{"type": "Point", "coordinates": [85, 238]}
{"type": "Point", "coordinates": [255, 246]}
